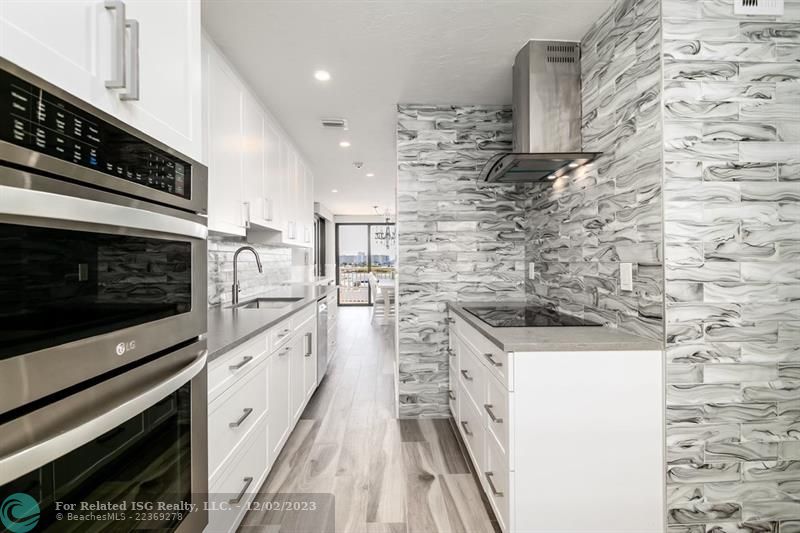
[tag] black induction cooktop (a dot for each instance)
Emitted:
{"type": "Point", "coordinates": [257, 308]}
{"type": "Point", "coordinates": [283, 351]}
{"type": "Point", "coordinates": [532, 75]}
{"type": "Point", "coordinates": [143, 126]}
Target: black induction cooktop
{"type": "Point", "coordinates": [506, 316]}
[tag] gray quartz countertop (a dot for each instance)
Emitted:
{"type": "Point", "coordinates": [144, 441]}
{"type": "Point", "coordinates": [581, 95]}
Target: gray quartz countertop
{"type": "Point", "coordinates": [228, 328]}
{"type": "Point", "coordinates": [556, 339]}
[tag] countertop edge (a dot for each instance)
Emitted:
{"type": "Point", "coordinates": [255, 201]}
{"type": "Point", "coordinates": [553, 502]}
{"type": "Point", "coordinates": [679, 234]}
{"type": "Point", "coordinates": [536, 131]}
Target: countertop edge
{"type": "Point", "coordinates": [292, 309]}
{"type": "Point", "coordinates": [627, 341]}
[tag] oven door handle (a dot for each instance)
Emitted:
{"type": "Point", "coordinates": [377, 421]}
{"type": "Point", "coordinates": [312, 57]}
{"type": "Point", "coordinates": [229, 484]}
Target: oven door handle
{"type": "Point", "coordinates": [20, 202]}
{"type": "Point", "coordinates": [63, 436]}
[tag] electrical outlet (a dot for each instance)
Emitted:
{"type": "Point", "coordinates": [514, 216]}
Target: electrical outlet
{"type": "Point", "coordinates": [626, 276]}
{"type": "Point", "coordinates": [531, 270]}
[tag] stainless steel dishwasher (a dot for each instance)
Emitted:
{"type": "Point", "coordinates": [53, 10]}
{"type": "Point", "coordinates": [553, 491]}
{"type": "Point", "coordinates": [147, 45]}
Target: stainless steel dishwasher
{"type": "Point", "coordinates": [322, 339]}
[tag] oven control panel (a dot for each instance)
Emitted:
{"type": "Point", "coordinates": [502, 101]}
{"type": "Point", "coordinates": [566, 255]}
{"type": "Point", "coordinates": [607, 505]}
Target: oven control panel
{"type": "Point", "coordinates": [33, 118]}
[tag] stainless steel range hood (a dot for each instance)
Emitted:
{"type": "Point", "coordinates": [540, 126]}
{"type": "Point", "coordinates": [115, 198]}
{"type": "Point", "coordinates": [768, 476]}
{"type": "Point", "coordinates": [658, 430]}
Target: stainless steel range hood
{"type": "Point", "coordinates": [546, 115]}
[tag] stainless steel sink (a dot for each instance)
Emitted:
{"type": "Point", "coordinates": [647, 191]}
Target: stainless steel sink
{"type": "Point", "coordinates": [266, 303]}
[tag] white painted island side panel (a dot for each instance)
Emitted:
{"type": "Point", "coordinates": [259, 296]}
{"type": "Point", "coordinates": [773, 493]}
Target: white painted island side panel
{"type": "Point", "coordinates": [592, 430]}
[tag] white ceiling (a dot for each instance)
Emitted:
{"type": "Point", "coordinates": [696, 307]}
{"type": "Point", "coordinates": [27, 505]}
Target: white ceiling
{"type": "Point", "coordinates": [379, 53]}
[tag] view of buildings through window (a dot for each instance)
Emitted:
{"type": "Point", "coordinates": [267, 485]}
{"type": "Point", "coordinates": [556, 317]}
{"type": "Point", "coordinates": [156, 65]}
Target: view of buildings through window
{"type": "Point", "coordinates": [363, 250]}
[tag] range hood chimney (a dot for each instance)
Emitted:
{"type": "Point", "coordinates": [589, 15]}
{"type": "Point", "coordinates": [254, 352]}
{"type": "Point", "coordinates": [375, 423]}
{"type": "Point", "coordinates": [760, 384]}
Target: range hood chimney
{"type": "Point", "coordinates": [546, 116]}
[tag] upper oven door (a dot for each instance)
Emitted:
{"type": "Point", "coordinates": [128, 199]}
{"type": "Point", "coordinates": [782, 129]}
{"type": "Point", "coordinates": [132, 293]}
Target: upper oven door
{"type": "Point", "coordinates": [90, 281]}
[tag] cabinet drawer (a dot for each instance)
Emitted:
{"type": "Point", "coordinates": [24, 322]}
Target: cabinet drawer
{"type": "Point", "coordinates": [234, 414]}
{"type": "Point", "coordinates": [470, 426]}
{"type": "Point", "coordinates": [495, 479]}
{"type": "Point", "coordinates": [496, 407]}
{"type": "Point", "coordinates": [495, 359]}
{"type": "Point", "coordinates": [303, 316]}
{"type": "Point", "coordinates": [472, 374]}
{"type": "Point", "coordinates": [236, 487]}
{"type": "Point", "coordinates": [228, 368]}
{"type": "Point", "coordinates": [280, 334]}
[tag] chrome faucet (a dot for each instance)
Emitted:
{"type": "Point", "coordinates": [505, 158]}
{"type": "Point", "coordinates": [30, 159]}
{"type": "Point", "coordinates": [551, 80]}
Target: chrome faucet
{"type": "Point", "coordinates": [236, 289]}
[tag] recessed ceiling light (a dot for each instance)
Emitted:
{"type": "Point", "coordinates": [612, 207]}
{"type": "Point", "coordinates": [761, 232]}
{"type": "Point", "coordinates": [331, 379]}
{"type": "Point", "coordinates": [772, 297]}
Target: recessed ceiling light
{"type": "Point", "coordinates": [334, 190]}
{"type": "Point", "coordinates": [370, 174]}
{"type": "Point", "coordinates": [345, 144]}
{"type": "Point", "coordinates": [574, 165]}
{"type": "Point", "coordinates": [552, 177]}
{"type": "Point", "coordinates": [322, 75]}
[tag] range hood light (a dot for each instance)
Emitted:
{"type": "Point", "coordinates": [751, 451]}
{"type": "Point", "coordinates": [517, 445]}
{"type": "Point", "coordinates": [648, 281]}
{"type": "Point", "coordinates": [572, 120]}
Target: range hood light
{"type": "Point", "coordinates": [552, 177]}
{"type": "Point", "coordinates": [574, 165]}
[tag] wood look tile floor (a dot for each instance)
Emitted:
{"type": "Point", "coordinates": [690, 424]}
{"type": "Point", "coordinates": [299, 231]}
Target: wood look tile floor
{"type": "Point", "coordinates": [386, 475]}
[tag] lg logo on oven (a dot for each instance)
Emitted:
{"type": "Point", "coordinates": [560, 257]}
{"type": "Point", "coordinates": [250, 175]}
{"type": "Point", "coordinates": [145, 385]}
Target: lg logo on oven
{"type": "Point", "coordinates": [125, 347]}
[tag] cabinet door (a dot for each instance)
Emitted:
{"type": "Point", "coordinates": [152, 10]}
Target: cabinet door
{"type": "Point", "coordinates": [279, 422]}
{"type": "Point", "coordinates": [225, 210]}
{"type": "Point", "coordinates": [57, 40]}
{"type": "Point", "coordinates": [310, 360]}
{"type": "Point", "coordinates": [297, 393]}
{"type": "Point", "coordinates": [272, 177]}
{"type": "Point", "coordinates": [253, 159]}
{"type": "Point", "coordinates": [169, 102]}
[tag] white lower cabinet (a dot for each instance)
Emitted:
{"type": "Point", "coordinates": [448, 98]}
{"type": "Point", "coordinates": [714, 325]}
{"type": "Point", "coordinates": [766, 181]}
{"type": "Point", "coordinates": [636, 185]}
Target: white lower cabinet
{"type": "Point", "coordinates": [257, 392]}
{"type": "Point", "coordinates": [539, 425]}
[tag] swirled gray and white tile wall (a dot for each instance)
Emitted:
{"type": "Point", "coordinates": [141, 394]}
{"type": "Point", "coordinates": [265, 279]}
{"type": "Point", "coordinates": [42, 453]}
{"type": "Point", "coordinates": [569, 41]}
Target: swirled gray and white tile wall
{"type": "Point", "coordinates": [458, 239]}
{"type": "Point", "coordinates": [732, 260]}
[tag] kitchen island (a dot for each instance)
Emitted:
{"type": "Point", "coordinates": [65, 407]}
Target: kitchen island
{"type": "Point", "coordinates": [564, 424]}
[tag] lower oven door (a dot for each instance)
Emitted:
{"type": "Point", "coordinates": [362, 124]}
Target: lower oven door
{"type": "Point", "coordinates": [91, 281]}
{"type": "Point", "coordinates": [127, 454]}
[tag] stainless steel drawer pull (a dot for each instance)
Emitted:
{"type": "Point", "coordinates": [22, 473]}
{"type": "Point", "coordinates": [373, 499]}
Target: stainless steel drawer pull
{"type": "Point", "coordinates": [246, 359]}
{"type": "Point", "coordinates": [488, 408]}
{"type": "Point", "coordinates": [238, 499]}
{"type": "Point", "coordinates": [247, 412]}
{"type": "Point", "coordinates": [452, 352]}
{"type": "Point", "coordinates": [285, 350]}
{"type": "Point", "coordinates": [451, 395]}
{"type": "Point", "coordinates": [309, 349]}
{"type": "Point", "coordinates": [490, 357]}
{"type": "Point", "coordinates": [133, 85]}
{"type": "Point", "coordinates": [466, 375]}
{"type": "Point", "coordinates": [117, 80]}
{"type": "Point", "coordinates": [491, 484]}
{"type": "Point", "coordinates": [466, 427]}
{"type": "Point", "coordinates": [283, 333]}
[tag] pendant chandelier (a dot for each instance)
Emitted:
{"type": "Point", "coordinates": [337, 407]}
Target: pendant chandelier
{"type": "Point", "coordinates": [387, 234]}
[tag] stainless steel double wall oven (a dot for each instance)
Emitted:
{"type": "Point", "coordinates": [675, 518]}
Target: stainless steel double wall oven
{"type": "Point", "coordinates": [102, 315]}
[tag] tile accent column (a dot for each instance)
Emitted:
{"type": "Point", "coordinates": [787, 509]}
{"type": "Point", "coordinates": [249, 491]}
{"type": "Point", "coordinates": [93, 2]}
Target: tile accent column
{"type": "Point", "coordinates": [732, 253]}
{"type": "Point", "coordinates": [458, 239]}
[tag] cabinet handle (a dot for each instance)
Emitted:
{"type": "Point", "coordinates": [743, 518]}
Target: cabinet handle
{"type": "Point", "coordinates": [308, 346]}
{"type": "Point", "coordinates": [466, 375]}
{"type": "Point", "coordinates": [490, 357]}
{"type": "Point", "coordinates": [494, 418]}
{"type": "Point", "coordinates": [238, 499]}
{"type": "Point", "coordinates": [491, 484]}
{"type": "Point", "coordinates": [283, 333]}
{"type": "Point", "coordinates": [452, 352]}
{"type": "Point", "coordinates": [238, 423]}
{"type": "Point", "coordinates": [133, 85]}
{"type": "Point", "coordinates": [449, 320]}
{"type": "Point", "coordinates": [285, 350]}
{"type": "Point", "coordinates": [246, 208]}
{"type": "Point", "coordinates": [246, 359]}
{"type": "Point", "coordinates": [117, 80]}
{"type": "Point", "coordinates": [466, 428]}
{"type": "Point", "coordinates": [451, 395]}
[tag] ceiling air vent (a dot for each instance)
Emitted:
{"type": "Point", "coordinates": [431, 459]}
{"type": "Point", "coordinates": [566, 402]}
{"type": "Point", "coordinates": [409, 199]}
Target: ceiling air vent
{"type": "Point", "coordinates": [334, 123]}
{"type": "Point", "coordinates": [758, 7]}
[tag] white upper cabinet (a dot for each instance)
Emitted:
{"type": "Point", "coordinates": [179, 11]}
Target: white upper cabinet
{"type": "Point", "coordinates": [273, 196]}
{"type": "Point", "coordinates": [225, 184]}
{"type": "Point", "coordinates": [82, 45]}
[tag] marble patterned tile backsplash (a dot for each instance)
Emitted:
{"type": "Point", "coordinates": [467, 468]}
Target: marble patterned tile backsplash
{"type": "Point", "coordinates": [458, 240]}
{"type": "Point", "coordinates": [581, 227]}
{"type": "Point", "coordinates": [276, 262]}
{"type": "Point", "coordinates": [732, 254]}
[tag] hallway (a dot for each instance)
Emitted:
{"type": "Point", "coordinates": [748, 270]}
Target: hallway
{"type": "Point", "coordinates": [386, 475]}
